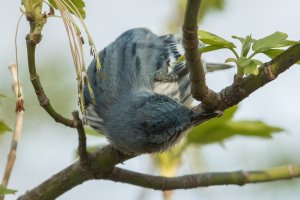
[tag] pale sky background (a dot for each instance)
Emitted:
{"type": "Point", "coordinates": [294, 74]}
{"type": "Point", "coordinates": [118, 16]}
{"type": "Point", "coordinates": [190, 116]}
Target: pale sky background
{"type": "Point", "coordinates": [46, 147]}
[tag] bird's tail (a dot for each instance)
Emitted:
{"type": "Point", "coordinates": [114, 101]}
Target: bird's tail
{"type": "Point", "coordinates": [176, 57]}
{"type": "Point", "coordinates": [212, 67]}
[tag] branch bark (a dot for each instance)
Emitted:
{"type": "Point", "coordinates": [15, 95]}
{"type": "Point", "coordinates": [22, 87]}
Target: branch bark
{"type": "Point", "coordinates": [98, 165]}
{"type": "Point", "coordinates": [203, 179]}
{"type": "Point", "coordinates": [199, 89]}
{"type": "Point", "coordinates": [234, 94]}
{"type": "Point", "coordinates": [101, 167]}
{"type": "Point", "coordinates": [82, 151]}
{"type": "Point", "coordinates": [40, 93]}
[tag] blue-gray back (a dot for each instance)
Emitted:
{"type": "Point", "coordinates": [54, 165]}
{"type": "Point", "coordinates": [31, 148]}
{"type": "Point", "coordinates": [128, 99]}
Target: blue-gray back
{"type": "Point", "coordinates": [129, 64]}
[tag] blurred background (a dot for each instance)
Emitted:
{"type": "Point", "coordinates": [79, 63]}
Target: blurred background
{"type": "Point", "coordinates": [47, 147]}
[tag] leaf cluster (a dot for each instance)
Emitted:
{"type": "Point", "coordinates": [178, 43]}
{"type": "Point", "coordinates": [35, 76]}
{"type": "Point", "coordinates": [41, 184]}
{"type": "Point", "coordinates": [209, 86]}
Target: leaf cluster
{"type": "Point", "coordinates": [270, 45]}
{"type": "Point", "coordinates": [75, 7]}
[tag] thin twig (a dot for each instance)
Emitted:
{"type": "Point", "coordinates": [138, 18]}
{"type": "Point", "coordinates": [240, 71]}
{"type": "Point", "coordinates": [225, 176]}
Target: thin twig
{"type": "Point", "coordinates": [16, 50]}
{"type": "Point", "coordinates": [17, 88]}
{"type": "Point", "coordinates": [32, 40]}
{"type": "Point", "coordinates": [37, 21]}
{"type": "Point", "coordinates": [82, 151]}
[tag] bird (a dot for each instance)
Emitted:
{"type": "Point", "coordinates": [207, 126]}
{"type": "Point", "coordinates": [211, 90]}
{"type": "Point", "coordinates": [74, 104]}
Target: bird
{"type": "Point", "coordinates": [144, 103]}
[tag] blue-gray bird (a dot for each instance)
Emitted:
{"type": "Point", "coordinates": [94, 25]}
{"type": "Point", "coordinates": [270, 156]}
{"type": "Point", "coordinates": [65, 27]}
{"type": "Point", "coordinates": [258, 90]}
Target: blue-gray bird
{"type": "Point", "coordinates": [143, 104]}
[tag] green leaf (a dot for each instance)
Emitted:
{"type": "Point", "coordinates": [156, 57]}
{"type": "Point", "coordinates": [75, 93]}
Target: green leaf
{"type": "Point", "coordinates": [258, 62]}
{"type": "Point", "coordinates": [207, 6]}
{"type": "Point", "coordinates": [251, 68]}
{"type": "Point", "coordinates": [210, 48]}
{"type": "Point", "coordinates": [228, 114]}
{"type": "Point", "coordinates": [219, 129]}
{"type": "Point", "coordinates": [204, 133]}
{"type": "Point", "coordinates": [287, 43]}
{"type": "Point", "coordinates": [242, 61]}
{"type": "Point", "coordinates": [4, 190]}
{"type": "Point", "coordinates": [79, 6]}
{"type": "Point", "coordinates": [277, 39]}
{"type": "Point", "coordinates": [2, 96]}
{"type": "Point", "coordinates": [246, 44]}
{"type": "Point", "coordinates": [214, 40]}
{"type": "Point", "coordinates": [3, 127]}
{"type": "Point", "coordinates": [180, 59]}
{"type": "Point", "coordinates": [253, 128]}
{"type": "Point", "coordinates": [241, 39]}
{"type": "Point", "coordinates": [169, 161]}
{"type": "Point", "coordinates": [272, 53]}
{"type": "Point", "coordinates": [214, 135]}
{"type": "Point", "coordinates": [231, 60]}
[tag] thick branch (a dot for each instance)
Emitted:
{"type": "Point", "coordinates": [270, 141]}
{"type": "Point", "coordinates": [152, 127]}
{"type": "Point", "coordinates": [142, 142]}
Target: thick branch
{"type": "Point", "coordinates": [99, 165]}
{"type": "Point", "coordinates": [203, 179]}
{"type": "Point", "coordinates": [199, 89]}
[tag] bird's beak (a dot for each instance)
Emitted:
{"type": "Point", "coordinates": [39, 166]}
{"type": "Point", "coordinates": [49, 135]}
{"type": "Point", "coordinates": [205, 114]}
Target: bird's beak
{"type": "Point", "coordinates": [200, 117]}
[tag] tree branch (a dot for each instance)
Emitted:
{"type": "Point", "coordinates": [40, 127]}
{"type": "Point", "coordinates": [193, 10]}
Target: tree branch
{"type": "Point", "coordinates": [235, 93]}
{"type": "Point", "coordinates": [82, 151]}
{"type": "Point", "coordinates": [98, 166]}
{"type": "Point", "coordinates": [199, 89]}
{"type": "Point", "coordinates": [203, 179]}
{"type": "Point", "coordinates": [41, 95]}
{"type": "Point", "coordinates": [101, 167]}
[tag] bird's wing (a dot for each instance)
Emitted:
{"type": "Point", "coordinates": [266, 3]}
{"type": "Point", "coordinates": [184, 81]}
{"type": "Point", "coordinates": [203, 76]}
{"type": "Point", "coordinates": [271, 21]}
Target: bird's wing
{"type": "Point", "coordinates": [94, 120]}
{"type": "Point", "coordinates": [173, 80]}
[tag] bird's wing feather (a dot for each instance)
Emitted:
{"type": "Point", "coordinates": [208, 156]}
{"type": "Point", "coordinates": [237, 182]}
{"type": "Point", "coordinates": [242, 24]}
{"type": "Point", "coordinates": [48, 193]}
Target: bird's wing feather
{"type": "Point", "coordinates": [179, 89]}
{"type": "Point", "coordinates": [94, 120]}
